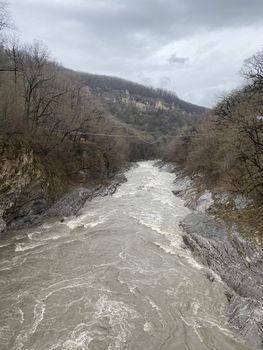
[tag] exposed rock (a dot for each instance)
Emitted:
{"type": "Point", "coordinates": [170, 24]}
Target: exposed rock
{"type": "Point", "coordinates": [205, 201]}
{"type": "Point", "coordinates": [28, 188]}
{"type": "Point", "coordinates": [25, 186]}
{"type": "Point", "coordinates": [240, 266]}
{"type": "Point", "coordinates": [245, 316]}
{"type": "Point", "coordinates": [70, 203]}
{"type": "Point", "coordinates": [221, 248]}
{"type": "Point", "coordinates": [177, 192]}
{"type": "Point", "coordinates": [111, 187]}
{"type": "Point", "coordinates": [167, 167]}
{"type": "Point", "coordinates": [222, 198]}
{"type": "Point", "coordinates": [184, 185]}
{"type": "Point", "coordinates": [2, 222]}
{"type": "Point", "coordinates": [241, 202]}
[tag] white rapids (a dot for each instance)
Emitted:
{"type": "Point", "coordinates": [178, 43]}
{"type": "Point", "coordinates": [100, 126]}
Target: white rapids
{"type": "Point", "coordinates": [114, 277]}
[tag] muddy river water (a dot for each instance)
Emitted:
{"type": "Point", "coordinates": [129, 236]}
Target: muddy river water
{"type": "Point", "coordinates": [114, 277]}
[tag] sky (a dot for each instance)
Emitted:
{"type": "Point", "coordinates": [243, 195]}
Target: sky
{"type": "Point", "coordinates": [194, 48]}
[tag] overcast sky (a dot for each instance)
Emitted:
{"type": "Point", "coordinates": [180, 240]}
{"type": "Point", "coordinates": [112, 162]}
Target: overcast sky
{"type": "Point", "coordinates": [192, 47]}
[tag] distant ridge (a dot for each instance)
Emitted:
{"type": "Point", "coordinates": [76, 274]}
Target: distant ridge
{"type": "Point", "coordinates": [109, 83]}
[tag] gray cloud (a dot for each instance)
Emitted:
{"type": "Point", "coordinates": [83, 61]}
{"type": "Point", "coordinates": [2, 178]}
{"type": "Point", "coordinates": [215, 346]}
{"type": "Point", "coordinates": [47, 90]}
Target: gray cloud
{"type": "Point", "coordinates": [156, 18]}
{"type": "Point", "coordinates": [175, 59]}
{"type": "Point", "coordinates": [136, 39]}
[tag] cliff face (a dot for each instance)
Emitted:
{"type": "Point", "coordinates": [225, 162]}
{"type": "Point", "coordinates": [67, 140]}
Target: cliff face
{"type": "Point", "coordinates": [141, 103]}
{"type": "Point", "coordinates": [154, 115]}
{"type": "Point", "coordinates": [27, 185]}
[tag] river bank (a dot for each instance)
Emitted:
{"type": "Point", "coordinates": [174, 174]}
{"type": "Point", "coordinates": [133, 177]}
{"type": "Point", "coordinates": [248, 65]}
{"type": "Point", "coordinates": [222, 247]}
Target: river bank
{"type": "Point", "coordinates": [218, 245]}
{"type": "Point", "coordinates": [68, 205]}
{"type": "Point", "coordinates": [36, 184]}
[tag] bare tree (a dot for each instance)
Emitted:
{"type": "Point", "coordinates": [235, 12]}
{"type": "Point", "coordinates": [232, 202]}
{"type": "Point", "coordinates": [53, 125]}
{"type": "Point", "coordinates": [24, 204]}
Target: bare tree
{"type": "Point", "coordinates": [252, 70]}
{"type": "Point", "coordinates": [14, 60]}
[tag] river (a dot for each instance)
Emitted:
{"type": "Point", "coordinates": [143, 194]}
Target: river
{"type": "Point", "coordinates": [114, 277]}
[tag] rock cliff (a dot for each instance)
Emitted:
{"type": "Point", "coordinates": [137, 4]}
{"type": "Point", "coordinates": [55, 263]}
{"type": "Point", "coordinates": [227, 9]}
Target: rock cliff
{"type": "Point", "coordinates": [27, 184]}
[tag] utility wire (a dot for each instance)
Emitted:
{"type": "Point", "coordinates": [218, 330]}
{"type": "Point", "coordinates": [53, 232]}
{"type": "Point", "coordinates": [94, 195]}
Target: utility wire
{"type": "Point", "coordinates": [135, 136]}
{"type": "Point", "coordinates": [142, 139]}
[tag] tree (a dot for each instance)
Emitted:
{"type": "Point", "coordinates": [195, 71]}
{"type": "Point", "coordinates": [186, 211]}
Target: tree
{"type": "Point", "coordinates": [252, 70]}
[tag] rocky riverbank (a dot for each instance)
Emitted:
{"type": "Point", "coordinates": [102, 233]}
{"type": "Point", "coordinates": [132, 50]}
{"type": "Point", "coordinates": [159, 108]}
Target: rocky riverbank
{"type": "Point", "coordinates": [70, 203]}
{"type": "Point", "coordinates": [33, 187]}
{"type": "Point", "coordinates": [238, 263]}
{"type": "Point", "coordinates": [220, 247]}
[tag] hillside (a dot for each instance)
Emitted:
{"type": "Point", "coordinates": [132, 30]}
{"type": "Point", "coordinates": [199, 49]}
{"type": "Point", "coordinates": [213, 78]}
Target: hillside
{"type": "Point", "coordinates": [155, 111]}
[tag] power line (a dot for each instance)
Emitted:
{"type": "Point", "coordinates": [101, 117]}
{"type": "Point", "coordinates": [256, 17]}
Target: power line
{"type": "Point", "coordinates": [136, 136]}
